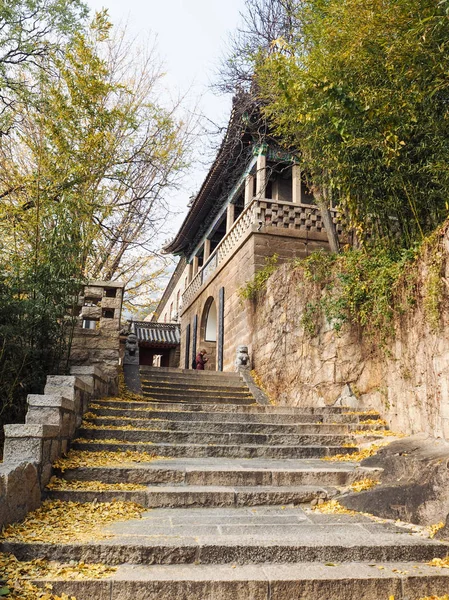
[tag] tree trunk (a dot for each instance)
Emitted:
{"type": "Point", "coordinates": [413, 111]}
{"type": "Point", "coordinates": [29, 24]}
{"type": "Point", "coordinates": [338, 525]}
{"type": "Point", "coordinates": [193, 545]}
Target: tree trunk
{"type": "Point", "coordinates": [321, 199]}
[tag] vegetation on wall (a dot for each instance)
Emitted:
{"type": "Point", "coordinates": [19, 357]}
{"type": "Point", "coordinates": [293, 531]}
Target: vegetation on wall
{"type": "Point", "coordinates": [257, 284]}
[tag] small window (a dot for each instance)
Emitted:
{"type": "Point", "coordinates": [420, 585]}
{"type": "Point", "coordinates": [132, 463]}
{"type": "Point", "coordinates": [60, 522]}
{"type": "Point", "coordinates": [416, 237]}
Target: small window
{"type": "Point", "coordinates": [108, 313]}
{"type": "Point", "coordinates": [110, 292]}
{"type": "Point", "coordinates": [90, 324]}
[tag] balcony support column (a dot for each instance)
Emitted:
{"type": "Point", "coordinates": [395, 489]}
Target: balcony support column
{"type": "Point", "coordinates": [261, 176]}
{"type": "Point", "coordinates": [195, 265]}
{"type": "Point", "coordinates": [249, 187]}
{"type": "Point", "coordinates": [296, 184]}
{"type": "Point", "coordinates": [206, 251]}
{"type": "Point", "coordinates": [230, 211]}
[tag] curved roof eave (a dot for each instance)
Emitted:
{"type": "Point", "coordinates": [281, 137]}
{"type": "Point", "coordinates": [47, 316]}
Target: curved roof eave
{"type": "Point", "coordinates": [194, 217]}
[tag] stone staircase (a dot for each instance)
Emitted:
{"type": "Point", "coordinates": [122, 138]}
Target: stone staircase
{"type": "Point", "coordinates": [228, 500]}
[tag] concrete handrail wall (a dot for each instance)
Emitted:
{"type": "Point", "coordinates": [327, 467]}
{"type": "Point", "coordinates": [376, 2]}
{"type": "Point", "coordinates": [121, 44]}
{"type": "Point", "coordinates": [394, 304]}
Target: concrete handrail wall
{"type": "Point", "coordinates": [31, 448]}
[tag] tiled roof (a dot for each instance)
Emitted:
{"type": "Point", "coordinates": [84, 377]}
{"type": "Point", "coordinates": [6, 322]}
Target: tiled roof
{"type": "Point", "coordinates": [157, 333]}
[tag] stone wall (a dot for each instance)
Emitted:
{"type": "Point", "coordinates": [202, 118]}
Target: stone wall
{"type": "Point", "coordinates": [232, 275]}
{"type": "Point", "coordinates": [96, 338]}
{"type": "Point", "coordinates": [408, 382]}
{"type": "Point", "coordinates": [31, 448]}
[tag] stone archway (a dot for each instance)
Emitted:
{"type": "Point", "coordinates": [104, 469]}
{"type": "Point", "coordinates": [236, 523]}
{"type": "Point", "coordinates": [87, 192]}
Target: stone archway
{"type": "Point", "coordinates": [208, 332]}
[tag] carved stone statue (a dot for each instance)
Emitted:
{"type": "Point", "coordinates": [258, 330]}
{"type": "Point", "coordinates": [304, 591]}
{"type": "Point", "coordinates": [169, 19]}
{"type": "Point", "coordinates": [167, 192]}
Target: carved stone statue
{"type": "Point", "coordinates": [131, 344]}
{"type": "Point", "coordinates": [131, 350]}
{"type": "Point", "coordinates": [242, 360]}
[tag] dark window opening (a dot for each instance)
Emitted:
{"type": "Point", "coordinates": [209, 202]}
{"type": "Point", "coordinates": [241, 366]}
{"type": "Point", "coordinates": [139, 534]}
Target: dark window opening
{"type": "Point", "coordinates": [108, 313]}
{"type": "Point", "coordinates": [110, 292]}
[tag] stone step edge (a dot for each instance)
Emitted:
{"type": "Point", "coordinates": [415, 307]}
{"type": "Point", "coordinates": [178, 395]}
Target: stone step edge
{"type": "Point", "coordinates": [160, 496]}
{"type": "Point", "coordinates": [233, 582]}
{"type": "Point", "coordinates": [109, 433]}
{"type": "Point", "coordinates": [136, 446]}
{"type": "Point", "coordinates": [205, 550]}
{"type": "Point", "coordinates": [349, 427]}
{"type": "Point", "coordinates": [258, 408]}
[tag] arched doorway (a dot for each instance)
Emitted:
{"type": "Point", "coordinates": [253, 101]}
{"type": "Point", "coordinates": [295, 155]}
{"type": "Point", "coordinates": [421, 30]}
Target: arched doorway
{"type": "Point", "coordinates": [208, 332]}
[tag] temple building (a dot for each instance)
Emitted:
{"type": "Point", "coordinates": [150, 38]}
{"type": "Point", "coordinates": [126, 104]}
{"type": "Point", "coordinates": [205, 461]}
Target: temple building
{"type": "Point", "coordinates": [253, 204]}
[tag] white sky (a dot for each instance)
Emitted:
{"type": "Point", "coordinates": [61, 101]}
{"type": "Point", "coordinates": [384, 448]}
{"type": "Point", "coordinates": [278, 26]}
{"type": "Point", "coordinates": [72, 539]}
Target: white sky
{"type": "Point", "coordinates": [191, 38]}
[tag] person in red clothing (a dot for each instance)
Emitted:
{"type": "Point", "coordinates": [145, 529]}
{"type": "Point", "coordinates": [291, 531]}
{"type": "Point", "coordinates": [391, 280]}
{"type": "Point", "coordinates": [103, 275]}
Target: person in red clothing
{"type": "Point", "coordinates": [201, 360]}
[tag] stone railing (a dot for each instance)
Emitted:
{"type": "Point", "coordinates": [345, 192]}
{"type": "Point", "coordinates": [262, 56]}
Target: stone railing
{"type": "Point", "coordinates": [259, 213]}
{"type": "Point", "coordinates": [287, 215]}
{"type": "Point", "coordinates": [31, 448]}
{"type": "Point", "coordinates": [227, 245]}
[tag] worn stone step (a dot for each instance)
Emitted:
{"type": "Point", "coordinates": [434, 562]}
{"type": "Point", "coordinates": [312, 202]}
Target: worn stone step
{"type": "Point", "coordinates": [195, 389]}
{"type": "Point", "coordinates": [252, 409]}
{"type": "Point", "coordinates": [152, 412]}
{"type": "Point", "coordinates": [217, 450]}
{"type": "Point", "coordinates": [147, 370]}
{"type": "Point", "coordinates": [206, 438]}
{"type": "Point", "coordinates": [199, 399]}
{"type": "Point", "coordinates": [198, 496]}
{"type": "Point", "coordinates": [197, 392]}
{"type": "Point", "coordinates": [298, 581]}
{"type": "Point", "coordinates": [228, 426]}
{"type": "Point", "coordinates": [196, 383]}
{"type": "Point", "coordinates": [267, 534]}
{"type": "Point", "coordinates": [221, 471]}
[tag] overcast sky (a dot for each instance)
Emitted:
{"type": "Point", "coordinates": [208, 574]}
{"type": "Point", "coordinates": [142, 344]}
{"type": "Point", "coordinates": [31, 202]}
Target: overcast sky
{"type": "Point", "coordinates": [191, 38]}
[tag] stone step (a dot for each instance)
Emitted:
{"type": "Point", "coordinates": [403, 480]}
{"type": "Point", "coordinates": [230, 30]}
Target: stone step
{"type": "Point", "coordinates": [253, 409]}
{"type": "Point", "coordinates": [216, 471]}
{"type": "Point", "coordinates": [152, 411]}
{"type": "Point", "coordinates": [229, 426]}
{"type": "Point", "coordinates": [209, 389]}
{"type": "Point", "coordinates": [154, 371]}
{"type": "Point", "coordinates": [239, 535]}
{"type": "Point", "coordinates": [206, 438]}
{"type": "Point", "coordinates": [216, 450]}
{"type": "Point", "coordinates": [197, 383]}
{"type": "Point", "coordinates": [199, 399]}
{"type": "Point", "coordinates": [202, 496]}
{"type": "Point", "coordinates": [298, 581]}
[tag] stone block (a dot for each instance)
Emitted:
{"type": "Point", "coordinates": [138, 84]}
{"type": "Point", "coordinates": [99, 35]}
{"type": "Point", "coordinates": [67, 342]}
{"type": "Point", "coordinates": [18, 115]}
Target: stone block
{"type": "Point", "coordinates": [55, 450]}
{"type": "Point", "coordinates": [91, 291]}
{"type": "Point", "coordinates": [25, 442]}
{"type": "Point", "coordinates": [46, 473]}
{"type": "Point", "coordinates": [50, 400]}
{"type": "Point", "coordinates": [44, 414]}
{"type": "Point", "coordinates": [68, 381]}
{"type": "Point", "coordinates": [110, 302]}
{"type": "Point", "coordinates": [91, 312]}
{"type": "Point", "coordinates": [19, 491]}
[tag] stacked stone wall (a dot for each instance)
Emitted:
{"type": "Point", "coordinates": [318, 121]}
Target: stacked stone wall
{"type": "Point", "coordinates": [99, 346]}
{"type": "Point", "coordinates": [407, 382]}
{"type": "Point", "coordinates": [31, 448]}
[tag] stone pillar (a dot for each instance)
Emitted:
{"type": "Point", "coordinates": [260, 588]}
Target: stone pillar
{"type": "Point", "coordinates": [261, 177]}
{"type": "Point", "coordinates": [206, 251]}
{"type": "Point", "coordinates": [195, 266]}
{"type": "Point", "coordinates": [249, 187]}
{"type": "Point", "coordinates": [296, 184]}
{"type": "Point", "coordinates": [230, 216]}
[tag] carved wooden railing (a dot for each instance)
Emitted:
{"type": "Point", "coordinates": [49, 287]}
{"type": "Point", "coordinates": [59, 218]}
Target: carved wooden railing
{"type": "Point", "coordinates": [263, 213]}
